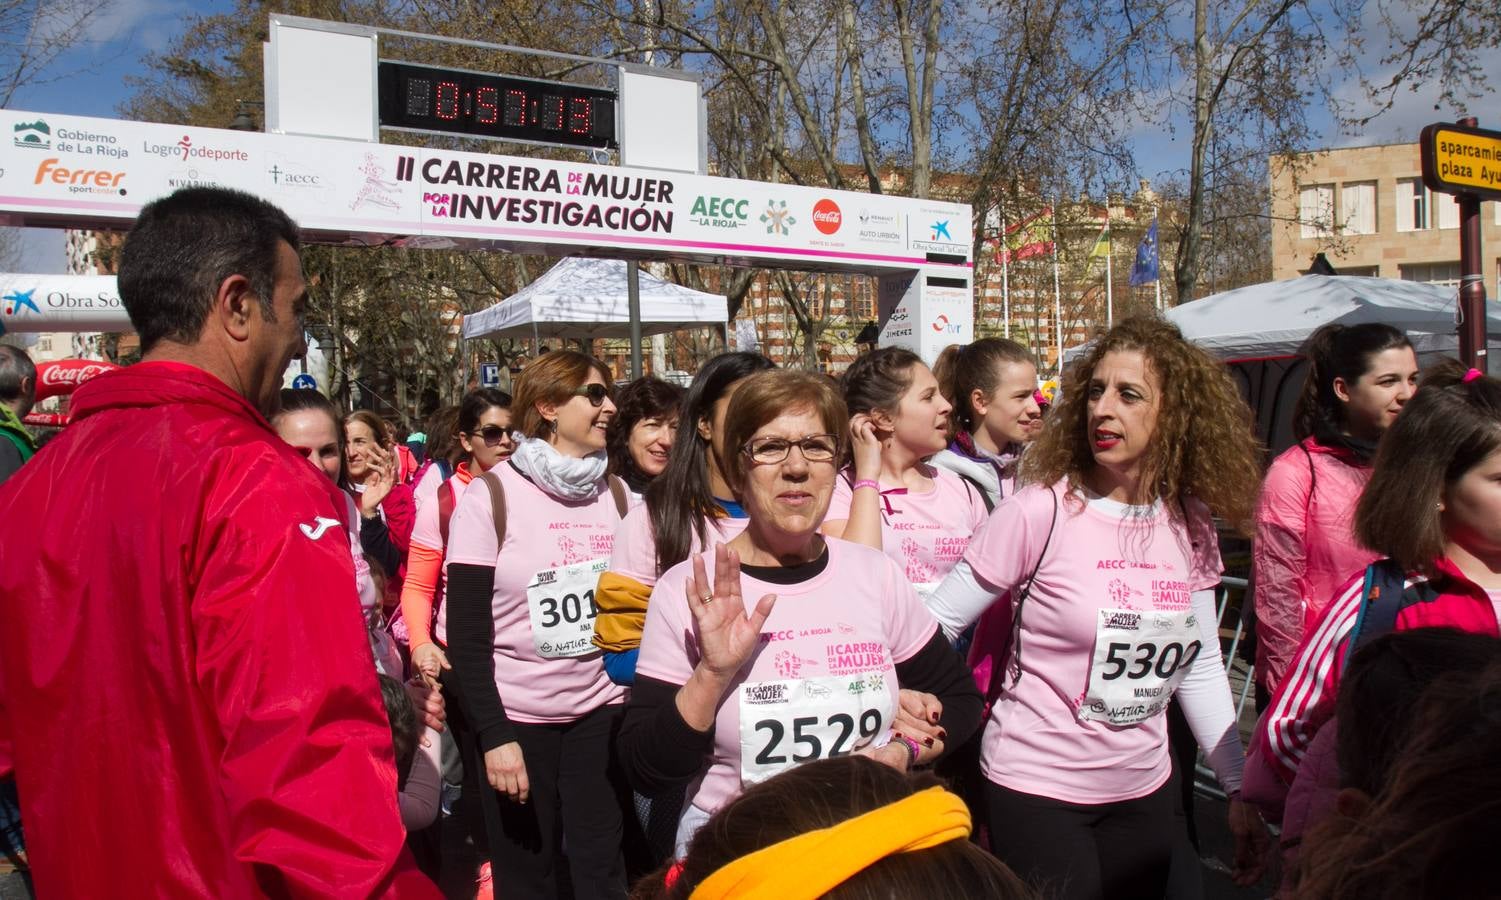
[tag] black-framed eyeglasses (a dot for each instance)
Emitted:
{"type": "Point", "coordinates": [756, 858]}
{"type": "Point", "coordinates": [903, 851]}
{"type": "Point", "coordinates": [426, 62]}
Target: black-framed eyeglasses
{"type": "Point", "coordinates": [596, 393]}
{"type": "Point", "coordinates": [769, 451]}
{"type": "Point", "coordinates": [492, 435]}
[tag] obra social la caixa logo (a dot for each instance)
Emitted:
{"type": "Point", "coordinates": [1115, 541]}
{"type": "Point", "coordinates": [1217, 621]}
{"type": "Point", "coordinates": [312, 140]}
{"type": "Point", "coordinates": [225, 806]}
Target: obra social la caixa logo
{"type": "Point", "coordinates": [826, 216]}
{"type": "Point", "coordinates": [187, 149]}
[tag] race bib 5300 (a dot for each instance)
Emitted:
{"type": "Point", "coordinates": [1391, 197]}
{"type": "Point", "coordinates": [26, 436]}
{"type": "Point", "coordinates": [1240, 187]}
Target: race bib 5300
{"type": "Point", "coordinates": [1140, 656]}
{"type": "Point", "coordinates": [561, 605]}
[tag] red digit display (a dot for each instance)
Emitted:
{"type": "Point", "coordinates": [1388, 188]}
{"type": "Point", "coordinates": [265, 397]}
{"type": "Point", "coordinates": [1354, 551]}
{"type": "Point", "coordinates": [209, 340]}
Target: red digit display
{"type": "Point", "coordinates": [498, 107]}
{"type": "Point", "coordinates": [516, 108]}
{"type": "Point", "coordinates": [485, 110]}
{"type": "Point", "coordinates": [447, 106]}
{"type": "Point", "coordinates": [580, 116]}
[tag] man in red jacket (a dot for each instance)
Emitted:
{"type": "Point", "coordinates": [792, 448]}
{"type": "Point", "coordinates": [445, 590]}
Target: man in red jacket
{"type": "Point", "coordinates": [187, 697]}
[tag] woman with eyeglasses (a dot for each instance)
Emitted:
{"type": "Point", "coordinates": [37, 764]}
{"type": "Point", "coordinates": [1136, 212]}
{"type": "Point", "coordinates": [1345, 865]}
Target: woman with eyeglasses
{"type": "Point", "coordinates": [526, 546]}
{"type": "Point", "coordinates": [890, 497]}
{"type": "Point", "coordinates": [484, 433]}
{"type": "Point", "coordinates": [785, 646]}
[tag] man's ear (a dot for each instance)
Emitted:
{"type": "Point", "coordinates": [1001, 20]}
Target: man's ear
{"type": "Point", "coordinates": [231, 311]}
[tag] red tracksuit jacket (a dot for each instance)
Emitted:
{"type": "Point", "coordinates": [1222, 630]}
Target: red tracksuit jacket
{"type": "Point", "coordinates": [187, 697]}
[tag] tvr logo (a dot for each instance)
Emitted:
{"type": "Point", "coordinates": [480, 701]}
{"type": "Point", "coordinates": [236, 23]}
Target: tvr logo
{"type": "Point", "coordinates": [316, 530]}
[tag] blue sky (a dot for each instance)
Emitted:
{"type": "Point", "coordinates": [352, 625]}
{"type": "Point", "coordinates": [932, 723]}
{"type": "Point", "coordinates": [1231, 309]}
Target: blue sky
{"type": "Point", "coordinates": [90, 81]}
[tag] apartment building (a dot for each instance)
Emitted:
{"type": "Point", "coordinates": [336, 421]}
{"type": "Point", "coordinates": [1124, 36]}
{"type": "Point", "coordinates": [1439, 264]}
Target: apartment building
{"type": "Point", "coordinates": [1367, 210]}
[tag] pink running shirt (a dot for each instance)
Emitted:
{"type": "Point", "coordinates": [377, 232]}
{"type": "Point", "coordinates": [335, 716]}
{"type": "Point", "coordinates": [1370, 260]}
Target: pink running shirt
{"type": "Point", "coordinates": [428, 532]}
{"type": "Point", "coordinates": [1106, 555]}
{"type": "Point", "coordinates": [825, 680]}
{"type": "Point", "coordinates": [550, 545]}
{"type": "Point", "coordinates": [926, 533]}
{"type": "Point", "coordinates": [635, 554]}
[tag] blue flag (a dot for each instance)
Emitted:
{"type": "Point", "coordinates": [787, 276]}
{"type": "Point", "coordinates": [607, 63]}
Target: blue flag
{"type": "Point", "coordinates": [1145, 270]}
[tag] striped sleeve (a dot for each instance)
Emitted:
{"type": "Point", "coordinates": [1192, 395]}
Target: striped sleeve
{"type": "Point", "coordinates": [1305, 699]}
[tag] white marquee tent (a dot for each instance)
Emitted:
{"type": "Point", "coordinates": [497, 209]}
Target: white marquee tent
{"type": "Point", "coordinates": [1272, 320]}
{"type": "Point", "coordinates": [586, 298]}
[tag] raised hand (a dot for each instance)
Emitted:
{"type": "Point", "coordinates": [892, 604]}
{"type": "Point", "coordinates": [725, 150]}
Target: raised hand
{"type": "Point", "coordinates": [727, 636]}
{"type": "Point", "coordinates": [381, 480]}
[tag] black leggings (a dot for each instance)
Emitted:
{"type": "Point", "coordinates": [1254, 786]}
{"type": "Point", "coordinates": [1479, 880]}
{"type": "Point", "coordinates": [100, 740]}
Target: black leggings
{"type": "Point", "coordinates": [1070, 851]}
{"type": "Point", "coordinates": [576, 795]}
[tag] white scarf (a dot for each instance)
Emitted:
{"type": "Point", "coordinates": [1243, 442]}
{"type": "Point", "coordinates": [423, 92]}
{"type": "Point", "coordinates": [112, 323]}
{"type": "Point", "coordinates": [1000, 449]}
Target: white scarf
{"type": "Point", "coordinates": [564, 477]}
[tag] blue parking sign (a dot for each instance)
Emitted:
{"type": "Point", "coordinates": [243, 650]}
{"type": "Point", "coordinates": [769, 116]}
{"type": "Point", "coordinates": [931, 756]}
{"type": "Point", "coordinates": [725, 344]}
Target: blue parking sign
{"type": "Point", "coordinates": [489, 375]}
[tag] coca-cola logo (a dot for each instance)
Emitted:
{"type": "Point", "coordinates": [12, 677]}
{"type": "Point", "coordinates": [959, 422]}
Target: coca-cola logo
{"type": "Point", "coordinates": [64, 375]}
{"type": "Point", "coordinates": [826, 216]}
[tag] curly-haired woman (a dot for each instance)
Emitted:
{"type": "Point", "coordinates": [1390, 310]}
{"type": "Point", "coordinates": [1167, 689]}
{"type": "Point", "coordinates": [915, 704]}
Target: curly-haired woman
{"type": "Point", "coordinates": [1113, 542]}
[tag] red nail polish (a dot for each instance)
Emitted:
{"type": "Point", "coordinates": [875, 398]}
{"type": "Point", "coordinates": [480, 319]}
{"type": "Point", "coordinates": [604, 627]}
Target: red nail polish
{"type": "Point", "coordinates": [928, 741]}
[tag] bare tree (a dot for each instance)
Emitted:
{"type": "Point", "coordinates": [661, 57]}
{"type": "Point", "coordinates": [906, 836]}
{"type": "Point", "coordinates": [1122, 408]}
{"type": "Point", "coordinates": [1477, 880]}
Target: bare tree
{"type": "Point", "coordinates": [34, 33]}
{"type": "Point", "coordinates": [1432, 41]}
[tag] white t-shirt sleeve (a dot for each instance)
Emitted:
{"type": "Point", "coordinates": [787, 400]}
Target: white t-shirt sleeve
{"type": "Point", "coordinates": [1207, 704]}
{"type": "Point", "coordinates": [471, 532]}
{"type": "Point", "coordinates": [1002, 554]}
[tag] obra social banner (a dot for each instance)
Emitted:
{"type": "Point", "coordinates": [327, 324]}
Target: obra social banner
{"type": "Point", "coordinates": [32, 303]}
{"type": "Point", "coordinates": [101, 171]}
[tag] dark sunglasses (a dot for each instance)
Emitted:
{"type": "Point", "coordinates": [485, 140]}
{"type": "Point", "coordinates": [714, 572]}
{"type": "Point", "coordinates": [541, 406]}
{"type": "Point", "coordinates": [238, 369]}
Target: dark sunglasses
{"type": "Point", "coordinates": [595, 392]}
{"type": "Point", "coordinates": [492, 435]}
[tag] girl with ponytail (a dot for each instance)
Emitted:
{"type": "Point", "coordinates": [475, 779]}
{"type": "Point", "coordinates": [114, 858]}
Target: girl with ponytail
{"type": "Point", "coordinates": [992, 384]}
{"type": "Point", "coordinates": [1359, 378]}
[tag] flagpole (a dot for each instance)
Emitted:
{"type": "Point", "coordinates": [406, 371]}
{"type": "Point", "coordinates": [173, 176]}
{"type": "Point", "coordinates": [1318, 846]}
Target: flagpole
{"type": "Point", "coordinates": [1057, 294]}
{"type": "Point", "coordinates": [1109, 295]}
{"type": "Point", "coordinates": [1005, 273]}
{"type": "Point", "coordinates": [1158, 282]}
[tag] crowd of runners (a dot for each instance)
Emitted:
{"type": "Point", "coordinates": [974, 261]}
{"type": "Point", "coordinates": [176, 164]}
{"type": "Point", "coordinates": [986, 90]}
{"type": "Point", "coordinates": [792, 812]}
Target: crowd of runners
{"type": "Point", "coordinates": [911, 632]}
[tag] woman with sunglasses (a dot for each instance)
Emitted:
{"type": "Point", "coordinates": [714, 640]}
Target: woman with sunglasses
{"type": "Point", "coordinates": [786, 646]}
{"type": "Point", "coordinates": [526, 546]}
{"type": "Point", "coordinates": [484, 433]}
{"type": "Point", "coordinates": [890, 498]}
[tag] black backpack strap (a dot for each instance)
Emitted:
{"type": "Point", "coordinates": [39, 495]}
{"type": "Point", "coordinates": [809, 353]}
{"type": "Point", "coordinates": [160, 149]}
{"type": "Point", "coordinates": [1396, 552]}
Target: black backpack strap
{"type": "Point", "coordinates": [1013, 652]}
{"type": "Point", "coordinates": [1381, 599]}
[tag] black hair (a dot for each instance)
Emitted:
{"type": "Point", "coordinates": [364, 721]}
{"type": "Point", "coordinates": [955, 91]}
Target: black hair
{"type": "Point", "coordinates": [301, 399]}
{"type": "Point", "coordinates": [404, 727]}
{"type": "Point", "coordinates": [1337, 351]}
{"type": "Point", "coordinates": [182, 248]}
{"type": "Point", "coordinates": [15, 367]}
{"type": "Point", "coordinates": [878, 379]}
{"type": "Point", "coordinates": [679, 501]}
{"type": "Point", "coordinates": [476, 403]}
{"type": "Point", "coordinates": [645, 398]}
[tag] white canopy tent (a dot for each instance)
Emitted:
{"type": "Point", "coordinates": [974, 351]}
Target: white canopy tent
{"type": "Point", "coordinates": [1272, 320]}
{"type": "Point", "coordinates": [586, 298]}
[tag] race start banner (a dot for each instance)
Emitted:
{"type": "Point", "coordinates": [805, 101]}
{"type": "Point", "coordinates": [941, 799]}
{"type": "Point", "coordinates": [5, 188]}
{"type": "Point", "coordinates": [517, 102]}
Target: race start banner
{"type": "Point", "coordinates": [71, 171]}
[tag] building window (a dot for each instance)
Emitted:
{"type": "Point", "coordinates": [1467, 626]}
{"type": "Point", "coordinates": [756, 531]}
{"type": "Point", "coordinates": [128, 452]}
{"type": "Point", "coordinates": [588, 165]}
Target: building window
{"type": "Point", "coordinates": [1445, 273]}
{"type": "Point", "coordinates": [1412, 205]}
{"type": "Point", "coordinates": [44, 345]}
{"type": "Point", "coordinates": [865, 308]}
{"type": "Point", "coordinates": [1357, 207]}
{"type": "Point", "coordinates": [1447, 208]}
{"type": "Point", "coordinates": [1316, 209]}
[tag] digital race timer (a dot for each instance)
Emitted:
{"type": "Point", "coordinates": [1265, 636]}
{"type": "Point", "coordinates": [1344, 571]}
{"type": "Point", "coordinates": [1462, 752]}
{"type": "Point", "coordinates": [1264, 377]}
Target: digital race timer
{"type": "Point", "coordinates": [495, 106]}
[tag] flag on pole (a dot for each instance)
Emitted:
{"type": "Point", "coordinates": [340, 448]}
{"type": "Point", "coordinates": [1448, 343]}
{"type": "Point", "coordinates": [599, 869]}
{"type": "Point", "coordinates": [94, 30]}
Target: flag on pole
{"type": "Point", "coordinates": [1027, 238]}
{"type": "Point", "coordinates": [1145, 270]}
{"type": "Point", "coordinates": [1101, 248]}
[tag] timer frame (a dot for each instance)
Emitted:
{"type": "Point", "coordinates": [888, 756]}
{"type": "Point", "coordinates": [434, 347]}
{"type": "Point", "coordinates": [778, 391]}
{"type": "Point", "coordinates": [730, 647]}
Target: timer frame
{"type": "Point", "coordinates": [393, 75]}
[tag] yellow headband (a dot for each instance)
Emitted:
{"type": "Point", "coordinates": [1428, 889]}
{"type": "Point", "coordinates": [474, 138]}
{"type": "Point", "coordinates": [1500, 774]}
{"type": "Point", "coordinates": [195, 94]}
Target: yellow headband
{"type": "Point", "coordinates": [810, 865]}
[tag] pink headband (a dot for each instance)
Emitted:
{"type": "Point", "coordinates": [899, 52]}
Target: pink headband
{"type": "Point", "coordinates": [1472, 375]}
